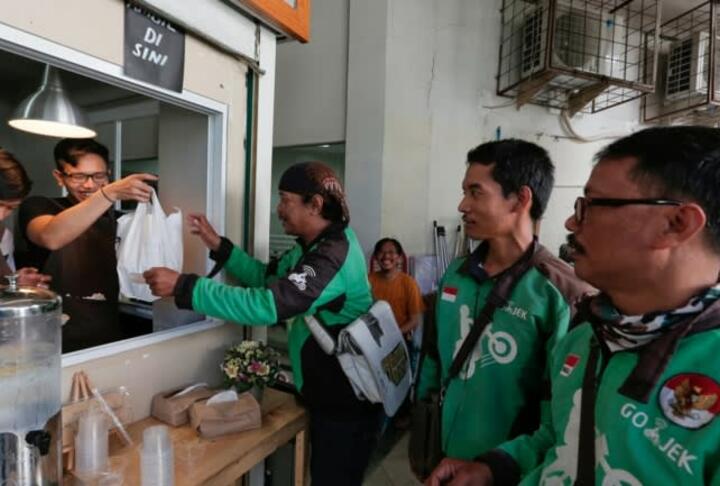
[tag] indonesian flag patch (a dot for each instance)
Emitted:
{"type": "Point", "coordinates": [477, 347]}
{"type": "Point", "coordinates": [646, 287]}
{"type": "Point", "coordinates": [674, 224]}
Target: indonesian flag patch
{"type": "Point", "coordinates": [690, 399]}
{"type": "Point", "coordinates": [449, 294]}
{"type": "Point", "coordinates": [571, 361]}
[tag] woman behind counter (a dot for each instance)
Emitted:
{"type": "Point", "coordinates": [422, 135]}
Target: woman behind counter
{"type": "Point", "coordinates": [14, 186]}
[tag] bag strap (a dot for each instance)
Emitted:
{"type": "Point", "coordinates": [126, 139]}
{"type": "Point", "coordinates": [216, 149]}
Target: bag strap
{"type": "Point", "coordinates": [429, 338]}
{"type": "Point", "coordinates": [497, 299]}
{"type": "Point", "coordinates": [586, 445]}
{"type": "Point", "coordinates": [324, 339]}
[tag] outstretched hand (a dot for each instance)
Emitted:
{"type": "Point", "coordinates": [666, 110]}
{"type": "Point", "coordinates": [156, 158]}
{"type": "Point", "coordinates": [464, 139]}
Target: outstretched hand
{"type": "Point", "coordinates": [456, 472]}
{"type": "Point", "coordinates": [133, 187]}
{"type": "Point", "coordinates": [31, 277]}
{"type": "Point", "coordinates": [199, 225]}
{"type": "Point", "coordinates": [161, 281]}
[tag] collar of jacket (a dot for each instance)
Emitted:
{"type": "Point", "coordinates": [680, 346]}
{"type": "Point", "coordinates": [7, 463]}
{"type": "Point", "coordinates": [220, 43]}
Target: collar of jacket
{"type": "Point", "coordinates": [473, 264]}
{"type": "Point", "coordinates": [333, 230]}
{"type": "Point", "coordinates": [653, 357]}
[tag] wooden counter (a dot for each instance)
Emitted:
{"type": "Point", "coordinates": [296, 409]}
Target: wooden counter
{"type": "Point", "coordinates": [223, 460]}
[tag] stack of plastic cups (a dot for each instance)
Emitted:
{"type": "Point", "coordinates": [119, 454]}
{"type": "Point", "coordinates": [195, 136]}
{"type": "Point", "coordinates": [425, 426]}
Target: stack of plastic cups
{"type": "Point", "coordinates": [156, 457]}
{"type": "Point", "coordinates": [91, 444]}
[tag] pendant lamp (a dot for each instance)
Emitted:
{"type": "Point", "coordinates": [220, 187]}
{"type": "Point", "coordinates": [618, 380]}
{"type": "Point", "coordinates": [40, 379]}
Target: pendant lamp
{"type": "Point", "coordinates": [49, 111]}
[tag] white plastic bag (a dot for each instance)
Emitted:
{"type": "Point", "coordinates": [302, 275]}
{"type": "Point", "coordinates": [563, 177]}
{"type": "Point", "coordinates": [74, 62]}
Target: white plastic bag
{"type": "Point", "coordinates": [148, 238]}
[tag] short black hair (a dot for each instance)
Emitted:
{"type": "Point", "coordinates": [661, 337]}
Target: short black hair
{"type": "Point", "coordinates": [69, 150]}
{"type": "Point", "coordinates": [518, 163]}
{"type": "Point", "coordinates": [382, 241]}
{"type": "Point", "coordinates": [14, 181]}
{"type": "Point", "coordinates": [681, 162]}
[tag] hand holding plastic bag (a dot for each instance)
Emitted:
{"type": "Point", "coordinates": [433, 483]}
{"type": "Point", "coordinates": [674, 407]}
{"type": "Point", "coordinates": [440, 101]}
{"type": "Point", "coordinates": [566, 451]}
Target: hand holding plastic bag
{"type": "Point", "coordinates": [148, 238]}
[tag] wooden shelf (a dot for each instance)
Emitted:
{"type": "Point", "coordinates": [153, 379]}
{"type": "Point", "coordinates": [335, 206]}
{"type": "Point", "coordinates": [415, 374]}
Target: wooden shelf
{"type": "Point", "coordinates": [223, 460]}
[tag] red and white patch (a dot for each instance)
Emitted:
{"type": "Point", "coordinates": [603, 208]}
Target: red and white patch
{"type": "Point", "coordinates": [571, 361]}
{"type": "Point", "coordinates": [690, 400]}
{"type": "Point", "coordinates": [449, 294]}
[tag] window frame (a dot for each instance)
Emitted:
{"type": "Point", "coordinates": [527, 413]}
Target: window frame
{"type": "Point", "coordinates": [43, 50]}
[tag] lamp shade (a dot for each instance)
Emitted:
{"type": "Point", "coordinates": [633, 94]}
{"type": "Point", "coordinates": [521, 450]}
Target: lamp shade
{"type": "Point", "coordinates": [49, 111]}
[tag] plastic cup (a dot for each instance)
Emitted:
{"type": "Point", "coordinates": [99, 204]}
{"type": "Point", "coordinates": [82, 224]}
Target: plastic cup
{"type": "Point", "coordinates": [157, 465]}
{"type": "Point", "coordinates": [156, 439]}
{"type": "Point", "coordinates": [91, 444]}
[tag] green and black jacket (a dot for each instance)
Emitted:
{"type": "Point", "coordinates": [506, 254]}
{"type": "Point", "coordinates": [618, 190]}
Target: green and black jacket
{"type": "Point", "coordinates": [498, 393]}
{"type": "Point", "coordinates": [327, 277]}
{"type": "Point", "coordinates": [654, 412]}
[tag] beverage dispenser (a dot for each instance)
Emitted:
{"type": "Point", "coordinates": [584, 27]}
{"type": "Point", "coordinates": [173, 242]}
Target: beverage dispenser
{"type": "Point", "coordinates": [30, 402]}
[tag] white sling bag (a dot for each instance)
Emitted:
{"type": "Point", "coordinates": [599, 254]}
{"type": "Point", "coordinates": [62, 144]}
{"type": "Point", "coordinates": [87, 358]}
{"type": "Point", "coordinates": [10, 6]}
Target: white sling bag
{"type": "Point", "coordinates": [372, 353]}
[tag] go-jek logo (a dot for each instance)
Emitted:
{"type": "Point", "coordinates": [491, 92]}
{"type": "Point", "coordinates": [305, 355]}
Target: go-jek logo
{"type": "Point", "coordinates": [299, 279]}
{"type": "Point", "coordinates": [499, 347]}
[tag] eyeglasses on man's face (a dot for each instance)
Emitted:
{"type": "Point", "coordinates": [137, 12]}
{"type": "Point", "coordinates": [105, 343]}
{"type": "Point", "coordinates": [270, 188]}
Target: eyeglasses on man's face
{"type": "Point", "coordinates": [583, 203]}
{"type": "Point", "coordinates": [81, 177]}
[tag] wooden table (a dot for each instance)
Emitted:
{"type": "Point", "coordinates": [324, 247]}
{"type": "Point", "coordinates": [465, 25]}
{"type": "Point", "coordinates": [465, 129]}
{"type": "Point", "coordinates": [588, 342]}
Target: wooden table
{"type": "Point", "coordinates": [223, 460]}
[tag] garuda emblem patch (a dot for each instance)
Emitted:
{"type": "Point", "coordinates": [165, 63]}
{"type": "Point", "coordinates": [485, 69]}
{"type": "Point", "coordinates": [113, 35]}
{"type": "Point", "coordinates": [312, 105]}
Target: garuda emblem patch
{"type": "Point", "coordinates": [690, 400]}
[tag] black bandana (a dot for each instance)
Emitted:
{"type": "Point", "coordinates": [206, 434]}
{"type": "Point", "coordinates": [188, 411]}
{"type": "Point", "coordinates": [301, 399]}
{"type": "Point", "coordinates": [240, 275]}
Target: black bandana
{"type": "Point", "coordinates": [309, 178]}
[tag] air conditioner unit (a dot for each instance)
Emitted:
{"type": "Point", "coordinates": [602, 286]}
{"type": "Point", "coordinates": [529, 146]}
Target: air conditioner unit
{"type": "Point", "coordinates": [583, 40]}
{"type": "Point", "coordinates": [577, 38]}
{"type": "Point", "coordinates": [688, 67]}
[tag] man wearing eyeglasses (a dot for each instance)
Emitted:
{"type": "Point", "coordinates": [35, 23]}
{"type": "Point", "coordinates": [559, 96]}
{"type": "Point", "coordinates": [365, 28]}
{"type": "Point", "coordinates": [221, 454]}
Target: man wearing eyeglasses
{"type": "Point", "coordinates": [636, 382]}
{"type": "Point", "coordinates": [72, 238]}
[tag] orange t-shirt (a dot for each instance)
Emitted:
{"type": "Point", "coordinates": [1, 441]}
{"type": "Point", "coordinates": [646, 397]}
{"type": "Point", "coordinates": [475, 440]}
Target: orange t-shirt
{"type": "Point", "coordinates": [402, 293]}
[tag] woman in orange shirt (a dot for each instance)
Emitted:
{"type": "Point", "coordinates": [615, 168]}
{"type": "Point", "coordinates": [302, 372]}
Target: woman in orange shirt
{"type": "Point", "coordinates": [401, 291]}
{"type": "Point", "coordinates": [395, 286]}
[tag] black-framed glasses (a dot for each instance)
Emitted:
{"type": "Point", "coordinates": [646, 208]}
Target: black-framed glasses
{"type": "Point", "coordinates": [81, 178]}
{"type": "Point", "coordinates": [582, 203]}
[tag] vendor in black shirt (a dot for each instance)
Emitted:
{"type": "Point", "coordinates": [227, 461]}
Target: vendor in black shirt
{"type": "Point", "coordinates": [72, 239]}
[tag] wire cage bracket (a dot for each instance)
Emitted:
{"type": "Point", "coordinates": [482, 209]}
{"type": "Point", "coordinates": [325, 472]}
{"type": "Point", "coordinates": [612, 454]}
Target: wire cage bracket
{"type": "Point", "coordinates": [688, 56]}
{"type": "Point", "coordinates": [577, 55]}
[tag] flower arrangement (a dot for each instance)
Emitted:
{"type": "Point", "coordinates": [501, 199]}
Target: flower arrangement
{"type": "Point", "coordinates": [250, 364]}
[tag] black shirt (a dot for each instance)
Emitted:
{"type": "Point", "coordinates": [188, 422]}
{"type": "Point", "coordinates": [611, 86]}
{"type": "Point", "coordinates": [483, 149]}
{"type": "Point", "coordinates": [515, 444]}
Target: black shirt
{"type": "Point", "coordinates": [84, 273]}
{"type": "Point", "coordinates": [31, 208]}
{"type": "Point", "coordinates": [82, 267]}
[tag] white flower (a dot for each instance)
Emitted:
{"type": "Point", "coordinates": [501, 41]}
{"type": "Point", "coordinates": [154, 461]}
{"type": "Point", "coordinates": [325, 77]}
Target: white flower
{"type": "Point", "coordinates": [231, 369]}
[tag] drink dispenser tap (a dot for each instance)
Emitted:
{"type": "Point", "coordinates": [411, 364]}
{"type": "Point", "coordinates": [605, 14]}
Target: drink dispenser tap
{"type": "Point", "coordinates": [30, 402]}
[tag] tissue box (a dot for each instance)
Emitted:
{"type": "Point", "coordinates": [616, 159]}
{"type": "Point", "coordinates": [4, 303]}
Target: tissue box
{"type": "Point", "coordinates": [224, 418]}
{"type": "Point", "coordinates": [174, 410]}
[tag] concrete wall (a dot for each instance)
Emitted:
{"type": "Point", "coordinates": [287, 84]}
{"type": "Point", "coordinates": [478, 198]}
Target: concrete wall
{"type": "Point", "coordinates": [441, 61]}
{"type": "Point", "coordinates": [311, 80]}
{"type": "Point", "coordinates": [193, 357]}
{"type": "Point", "coordinates": [421, 76]}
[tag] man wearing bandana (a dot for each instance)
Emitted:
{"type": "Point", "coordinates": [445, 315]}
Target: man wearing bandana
{"type": "Point", "coordinates": [635, 383]}
{"type": "Point", "coordinates": [325, 275]}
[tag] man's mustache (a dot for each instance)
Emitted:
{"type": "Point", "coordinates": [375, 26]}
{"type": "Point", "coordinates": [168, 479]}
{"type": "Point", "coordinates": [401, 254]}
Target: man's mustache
{"type": "Point", "coordinates": [573, 242]}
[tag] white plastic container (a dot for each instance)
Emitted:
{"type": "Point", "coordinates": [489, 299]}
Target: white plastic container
{"type": "Point", "coordinates": [157, 464]}
{"type": "Point", "coordinates": [91, 444]}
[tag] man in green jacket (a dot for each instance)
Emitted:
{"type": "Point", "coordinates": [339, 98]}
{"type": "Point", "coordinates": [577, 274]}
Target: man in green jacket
{"type": "Point", "coordinates": [497, 394]}
{"type": "Point", "coordinates": [324, 274]}
{"type": "Point", "coordinates": [636, 383]}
